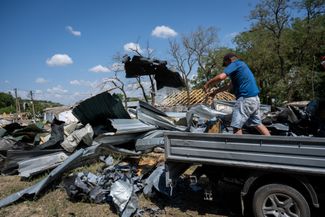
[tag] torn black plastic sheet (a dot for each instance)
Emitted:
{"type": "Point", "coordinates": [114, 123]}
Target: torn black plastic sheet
{"type": "Point", "coordinates": [28, 133]}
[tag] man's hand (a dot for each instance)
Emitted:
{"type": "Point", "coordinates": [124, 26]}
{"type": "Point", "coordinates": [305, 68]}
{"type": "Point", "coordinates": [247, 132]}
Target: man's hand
{"type": "Point", "coordinates": [206, 87]}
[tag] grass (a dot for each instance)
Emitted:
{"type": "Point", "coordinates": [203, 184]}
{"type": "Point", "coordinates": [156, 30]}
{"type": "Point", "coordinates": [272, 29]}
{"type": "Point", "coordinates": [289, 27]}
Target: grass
{"type": "Point", "coordinates": [55, 202]}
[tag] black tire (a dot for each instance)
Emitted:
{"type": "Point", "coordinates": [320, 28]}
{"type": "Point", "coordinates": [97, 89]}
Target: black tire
{"type": "Point", "coordinates": [277, 200]}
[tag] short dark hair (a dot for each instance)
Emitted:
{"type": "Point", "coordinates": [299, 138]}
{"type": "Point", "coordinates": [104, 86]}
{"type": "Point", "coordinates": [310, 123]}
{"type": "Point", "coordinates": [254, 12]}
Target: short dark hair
{"type": "Point", "coordinates": [227, 57]}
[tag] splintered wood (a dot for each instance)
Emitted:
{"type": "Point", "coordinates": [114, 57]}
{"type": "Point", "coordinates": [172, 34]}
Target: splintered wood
{"type": "Point", "coordinates": [196, 97]}
{"type": "Point", "coordinates": [148, 161]}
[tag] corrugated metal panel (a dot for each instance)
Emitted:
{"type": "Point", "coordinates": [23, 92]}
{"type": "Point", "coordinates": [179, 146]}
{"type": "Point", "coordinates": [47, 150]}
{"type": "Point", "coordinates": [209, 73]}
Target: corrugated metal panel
{"type": "Point", "coordinates": [146, 106]}
{"type": "Point", "coordinates": [289, 153]}
{"type": "Point", "coordinates": [161, 122]}
{"type": "Point", "coordinates": [123, 126]}
{"type": "Point", "coordinates": [97, 109]}
{"type": "Point", "coordinates": [39, 164]}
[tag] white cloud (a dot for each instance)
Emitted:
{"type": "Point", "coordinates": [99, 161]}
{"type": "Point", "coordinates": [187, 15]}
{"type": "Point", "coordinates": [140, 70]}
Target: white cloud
{"type": "Point", "coordinates": [59, 60]}
{"type": "Point", "coordinates": [163, 32]}
{"type": "Point", "coordinates": [57, 90]}
{"type": "Point", "coordinates": [132, 47]}
{"type": "Point", "coordinates": [75, 82]}
{"type": "Point", "coordinates": [99, 69]}
{"type": "Point", "coordinates": [72, 31]}
{"type": "Point", "coordinates": [93, 84]}
{"type": "Point", "coordinates": [41, 80]}
{"type": "Point", "coordinates": [6, 82]}
{"type": "Point", "coordinates": [38, 91]}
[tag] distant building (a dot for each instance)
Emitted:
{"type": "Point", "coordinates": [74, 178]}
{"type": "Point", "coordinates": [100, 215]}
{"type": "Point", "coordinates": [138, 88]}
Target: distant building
{"type": "Point", "coordinates": [51, 113]}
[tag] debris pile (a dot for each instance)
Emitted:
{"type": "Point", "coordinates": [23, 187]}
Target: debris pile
{"type": "Point", "coordinates": [104, 128]}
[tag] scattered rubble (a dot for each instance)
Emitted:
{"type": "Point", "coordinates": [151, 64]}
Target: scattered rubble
{"type": "Point", "coordinates": [100, 127]}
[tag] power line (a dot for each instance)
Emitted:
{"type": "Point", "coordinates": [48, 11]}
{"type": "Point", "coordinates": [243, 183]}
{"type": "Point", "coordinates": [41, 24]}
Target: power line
{"type": "Point", "coordinates": [33, 108]}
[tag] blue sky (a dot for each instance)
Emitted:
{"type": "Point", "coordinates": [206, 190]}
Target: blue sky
{"type": "Point", "coordinates": [62, 49]}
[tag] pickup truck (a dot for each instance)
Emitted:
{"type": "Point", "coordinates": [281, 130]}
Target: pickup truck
{"type": "Point", "coordinates": [279, 176]}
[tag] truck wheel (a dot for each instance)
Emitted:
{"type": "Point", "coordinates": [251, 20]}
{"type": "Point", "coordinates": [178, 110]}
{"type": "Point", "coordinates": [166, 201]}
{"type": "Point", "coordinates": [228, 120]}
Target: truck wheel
{"type": "Point", "coordinates": [276, 200]}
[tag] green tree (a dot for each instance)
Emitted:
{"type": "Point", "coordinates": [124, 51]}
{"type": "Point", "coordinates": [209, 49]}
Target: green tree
{"type": "Point", "coordinates": [284, 53]}
{"type": "Point", "coordinates": [213, 66]}
{"type": "Point", "coordinates": [6, 100]}
{"type": "Point", "coordinates": [272, 15]}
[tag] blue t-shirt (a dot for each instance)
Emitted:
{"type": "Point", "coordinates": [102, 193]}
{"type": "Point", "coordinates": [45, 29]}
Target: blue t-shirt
{"type": "Point", "coordinates": [242, 79]}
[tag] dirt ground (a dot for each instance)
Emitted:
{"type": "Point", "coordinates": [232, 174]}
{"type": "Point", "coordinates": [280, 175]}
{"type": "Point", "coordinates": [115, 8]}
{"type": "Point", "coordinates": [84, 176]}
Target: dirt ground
{"type": "Point", "coordinates": [56, 203]}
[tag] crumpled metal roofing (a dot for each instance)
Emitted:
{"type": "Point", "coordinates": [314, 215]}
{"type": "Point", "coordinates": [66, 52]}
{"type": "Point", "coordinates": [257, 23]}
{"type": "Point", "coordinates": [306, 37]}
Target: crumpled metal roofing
{"type": "Point", "coordinates": [126, 126]}
{"type": "Point", "coordinates": [39, 164]}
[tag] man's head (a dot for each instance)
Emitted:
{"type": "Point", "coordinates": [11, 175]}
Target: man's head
{"type": "Point", "coordinates": [229, 58]}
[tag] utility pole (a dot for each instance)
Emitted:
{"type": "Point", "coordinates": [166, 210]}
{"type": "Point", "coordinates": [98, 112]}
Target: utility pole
{"type": "Point", "coordinates": [32, 101]}
{"type": "Point", "coordinates": [17, 105]}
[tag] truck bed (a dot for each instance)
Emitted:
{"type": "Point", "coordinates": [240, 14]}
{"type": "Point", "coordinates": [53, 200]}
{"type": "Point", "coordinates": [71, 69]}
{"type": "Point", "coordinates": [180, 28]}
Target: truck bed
{"type": "Point", "coordinates": [294, 154]}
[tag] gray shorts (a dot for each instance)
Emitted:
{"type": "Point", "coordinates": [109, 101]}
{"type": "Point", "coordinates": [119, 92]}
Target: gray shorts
{"type": "Point", "coordinates": [246, 111]}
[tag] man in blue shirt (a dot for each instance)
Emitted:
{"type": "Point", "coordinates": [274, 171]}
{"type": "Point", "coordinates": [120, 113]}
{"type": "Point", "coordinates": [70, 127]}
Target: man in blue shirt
{"type": "Point", "coordinates": [247, 107]}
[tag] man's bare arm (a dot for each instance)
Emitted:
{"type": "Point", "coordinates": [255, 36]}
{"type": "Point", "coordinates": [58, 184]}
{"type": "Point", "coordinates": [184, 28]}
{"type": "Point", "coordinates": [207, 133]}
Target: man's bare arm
{"type": "Point", "coordinates": [214, 80]}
